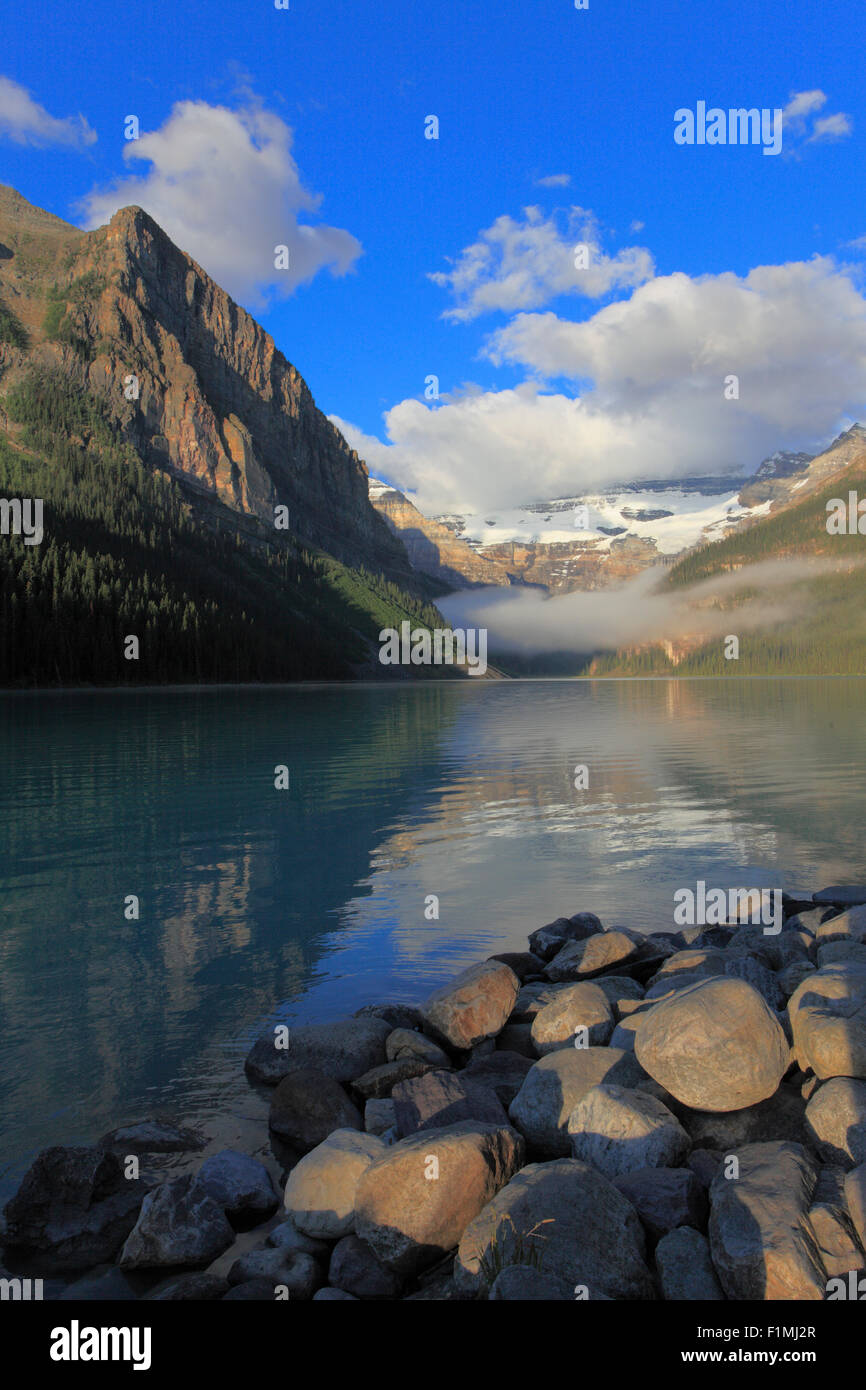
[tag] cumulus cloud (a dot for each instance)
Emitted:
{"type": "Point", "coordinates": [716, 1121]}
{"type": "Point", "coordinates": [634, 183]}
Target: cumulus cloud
{"type": "Point", "coordinates": [648, 395]}
{"type": "Point", "coordinates": [26, 122]}
{"type": "Point", "coordinates": [225, 187]}
{"type": "Point", "coordinates": [524, 263]}
{"type": "Point", "coordinates": [640, 611]}
{"type": "Point", "coordinates": [802, 126]}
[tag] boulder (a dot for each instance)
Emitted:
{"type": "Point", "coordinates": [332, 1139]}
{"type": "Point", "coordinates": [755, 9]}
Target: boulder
{"type": "Point", "coordinates": [793, 975]}
{"type": "Point", "coordinates": [715, 1046]}
{"type": "Point", "coordinates": [380, 1116]}
{"type": "Point", "coordinates": [523, 963]}
{"type": "Point", "coordinates": [532, 999]}
{"type": "Point", "coordinates": [180, 1224]}
{"type": "Point", "coordinates": [855, 1200]}
{"type": "Point", "coordinates": [620, 991]}
{"type": "Point", "coordinates": [414, 1203]}
{"type": "Point", "coordinates": [443, 1098]}
{"type": "Point", "coordinates": [842, 895]}
{"type": "Point", "coordinates": [846, 926]}
{"type": "Point", "coordinates": [568, 1220]}
{"type": "Point", "coordinates": [685, 1269]}
{"type": "Point", "coordinates": [619, 1130]}
{"type": "Point", "coordinates": [294, 1271]}
{"type": "Point", "coordinates": [828, 1019]}
{"type": "Point", "coordinates": [342, 1050]}
{"type": "Point", "coordinates": [404, 1044]}
{"type": "Point", "coordinates": [397, 1015]}
{"type": "Point", "coordinates": [605, 951]}
{"type": "Point", "coordinates": [501, 1072]}
{"type": "Point", "coordinates": [355, 1269]}
{"type": "Point", "coordinates": [665, 1198]}
{"type": "Point", "coordinates": [526, 1284]}
{"type": "Point", "coordinates": [379, 1082]}
{"type": "Point", "coordinates": [761, 1241]}
{"type": "Point", "coordinates": [759, 977]}
{"type": "Point", "coordinates": [833, 951]}
{"type": "Point", "coordinates": [517, 1037]}
{"type": "Point", "coordinates": [782, 1116]}
{"type": "Point", "coordinates": [330, 1295]}
{"type": "Point", "coordinates": [473, 1007]}
{"type": "Point", "coordinates": [241, 1185]}
{"type": "Point", "coordinates": [73, 1209]}
{"type": "Point", "coordinates": [840, 1246]}
{"type": "Point", "coordinates": [286, 1236]}
{"type": "Point", "coordinates": [307, 1106]}
{"type": "Point", "coordinates": [582, 1006]}
{"type": "Point", "coordinates": [548, 940]}
{"type": "Point", "coordinates": [702, 963]}
{"type": "Point", "coordinates": [836, 1120]}
{"type": "Point", "coordinates": [321, 1190]}
{"type": "Point", "coordinates": [555, 1085]}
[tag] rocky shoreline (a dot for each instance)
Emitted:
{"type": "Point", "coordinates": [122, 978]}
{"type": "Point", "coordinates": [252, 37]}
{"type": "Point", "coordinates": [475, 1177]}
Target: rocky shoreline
{"type": "Point", "coordinates": [607, 1115]}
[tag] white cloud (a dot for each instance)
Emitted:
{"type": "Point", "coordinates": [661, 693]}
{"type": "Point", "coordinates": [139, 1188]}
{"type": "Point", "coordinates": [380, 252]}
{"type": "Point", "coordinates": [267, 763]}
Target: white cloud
{"type": "Point", "coordinates": [524, 264]}
{"type": "Point", "coordinates": [831, 128]}
{"type": "Point", "coordinates": [799, 129]}
{"type": "Point", "coordinates": [650, 394]}
{"type": "Point", "coordinates": [554, 181]}
{"type": "Point", "coordinates": [25, 122]}
{"type": "Point", "coordinates": [225, 187]}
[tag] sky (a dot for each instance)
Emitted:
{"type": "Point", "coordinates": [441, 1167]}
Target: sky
{"type": "Point", "coordinates": [555, 294]}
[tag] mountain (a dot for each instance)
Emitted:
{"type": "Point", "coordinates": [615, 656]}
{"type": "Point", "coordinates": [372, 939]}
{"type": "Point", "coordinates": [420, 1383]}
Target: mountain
{"type": "Point", "coordinates": [192, 489]}
{"type": "Point", "coordinates": [433, 548]}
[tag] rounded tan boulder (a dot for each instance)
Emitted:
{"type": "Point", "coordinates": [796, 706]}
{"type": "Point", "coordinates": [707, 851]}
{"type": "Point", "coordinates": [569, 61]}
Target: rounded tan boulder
{"type": "Point", "coordinates": [413, 1204]}
{"type": "Point", "coordinates": [715, 1046]}
{"type": "Point", "coordinates": [473, 1007]}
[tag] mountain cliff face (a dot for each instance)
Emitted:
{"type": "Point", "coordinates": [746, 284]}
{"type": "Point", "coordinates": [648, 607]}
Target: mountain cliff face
{"type": "Point", "coordinates": [433, 549]}
{"type": "Point", "coordinates": [218, 405]}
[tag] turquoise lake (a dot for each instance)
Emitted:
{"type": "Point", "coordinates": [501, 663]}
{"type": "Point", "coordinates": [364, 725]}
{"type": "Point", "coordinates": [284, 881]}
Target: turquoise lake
{"type": "Point", "coordinates": [306, 903]}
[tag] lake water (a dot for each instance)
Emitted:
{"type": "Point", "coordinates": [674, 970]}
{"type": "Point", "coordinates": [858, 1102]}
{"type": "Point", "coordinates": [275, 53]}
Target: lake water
{"type": "Point", "coordinates": [306, 903]}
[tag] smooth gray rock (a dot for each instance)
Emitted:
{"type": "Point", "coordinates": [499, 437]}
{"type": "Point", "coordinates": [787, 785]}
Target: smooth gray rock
{"type": "Point", "coordinates": [842, 895]}
{"type": "Point", "coordinates": [502, 1072]}
{"type": "Point", "coordinates": [404, 1044]}
{"type": "Point", "coordinates": [158, 1135]}
{"type": "Point", "coordinates": [241, 1185]}
{"type": "Point", "coordinates": [619, 1130]}
{"type": "Point", "coordinates": [287, 1237]}
{"type": "Point", "coordinates": [840, 1246]}
{"type": "Point", "coordinates": [555, 1085]}
{"type": "Point", "coordinates": [545, 942]}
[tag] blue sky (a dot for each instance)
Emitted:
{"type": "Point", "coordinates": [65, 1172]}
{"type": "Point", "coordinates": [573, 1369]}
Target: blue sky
{"type": "Point", "coordinates": [523, 92]}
